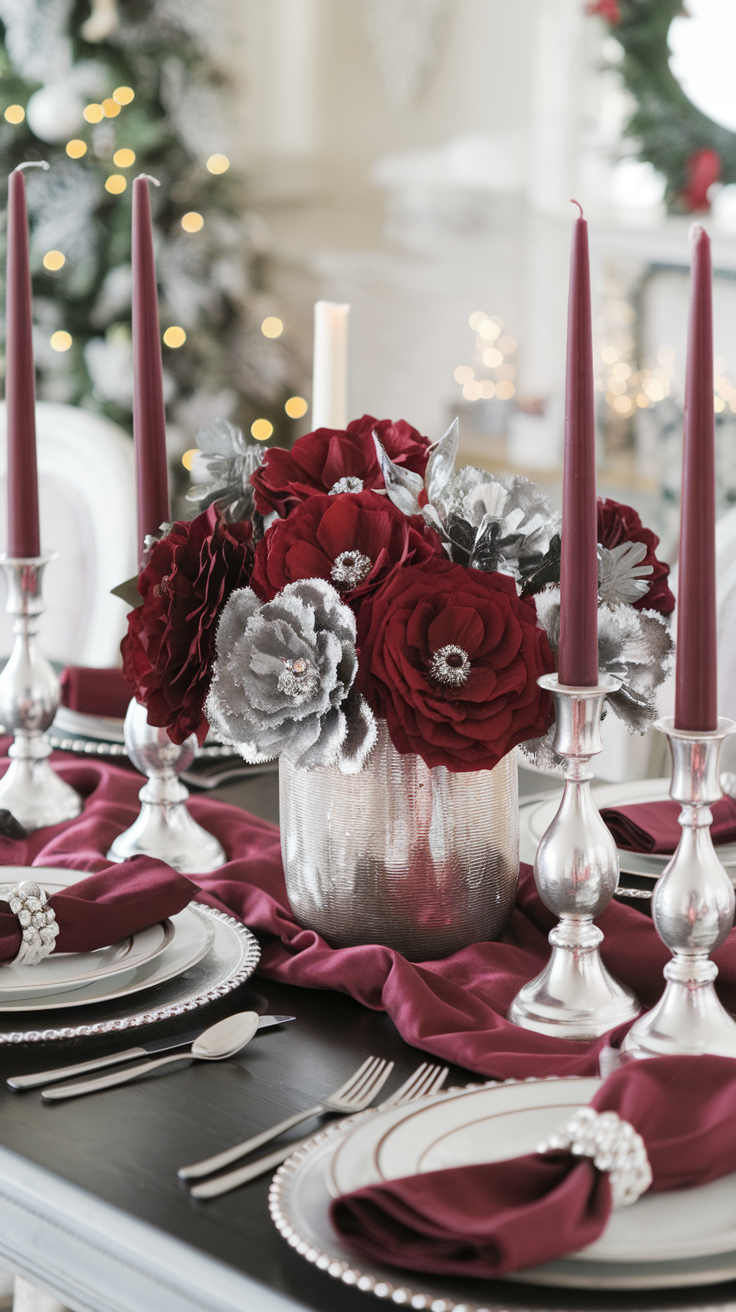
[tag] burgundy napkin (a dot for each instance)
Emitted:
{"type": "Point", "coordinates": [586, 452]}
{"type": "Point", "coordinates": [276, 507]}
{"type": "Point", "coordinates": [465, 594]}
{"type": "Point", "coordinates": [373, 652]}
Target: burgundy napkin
{"type": "Point", "coordinates": [105, 907]}
{"type": "Point", "coordinates": [653, 826]}
{"type": "Point", "coordinates": [504, 1216]}
{"type": "Point", "coordinates": [95, 692]}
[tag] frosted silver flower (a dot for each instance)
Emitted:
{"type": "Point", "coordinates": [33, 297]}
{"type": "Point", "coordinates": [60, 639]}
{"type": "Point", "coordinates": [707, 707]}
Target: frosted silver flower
{"type": "Point", "coordinates": [283, 679]}
{"type": "Point", "coordinates": [230, 461]}
{"type": "Point", "coordinates": [496, 523]}
{"type": "Point", "coordinates": [348, 484]}
{"type": "Point", "coordinates": [621, 576]}
{"type": "Point", "coordinates": [450, 665]}
{"type": "Point", "coordinates": [350, 568]}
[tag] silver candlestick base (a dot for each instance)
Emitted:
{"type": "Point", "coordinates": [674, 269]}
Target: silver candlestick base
{"type": "Point", "coordinates": [692, 909]}
{"type": "Point", "coordinates": [29, 700]}
{"type": "Point", "coordinates": [164, 827]}
{"type": "Point", "coordinates": [576, 873]}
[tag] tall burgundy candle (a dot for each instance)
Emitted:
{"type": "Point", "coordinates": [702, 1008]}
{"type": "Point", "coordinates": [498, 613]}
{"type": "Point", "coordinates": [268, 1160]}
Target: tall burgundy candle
{"type": "Point", "coordinates": [578, 653]}
{"type": "Point", "coordinates": [20, 387]}
{"type": "Point", "coordinates": [149, 416]}
{"type": "Point", "coordinates": [696, 677]}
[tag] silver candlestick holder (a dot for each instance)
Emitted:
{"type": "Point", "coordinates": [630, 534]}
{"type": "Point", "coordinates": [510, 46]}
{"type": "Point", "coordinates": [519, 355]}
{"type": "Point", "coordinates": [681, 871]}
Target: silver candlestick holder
{"type": "Point", "coordinates": [164, 828]}
{"type": "Point", "coordinates": [576, 872]}
{"type": "Point", "coordinates": [692, 909]}
{"type": "Point", "coordinates": [29, 700]}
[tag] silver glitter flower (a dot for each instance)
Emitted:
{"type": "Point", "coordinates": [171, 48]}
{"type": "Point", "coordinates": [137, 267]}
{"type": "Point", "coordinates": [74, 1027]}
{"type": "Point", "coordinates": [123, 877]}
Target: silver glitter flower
{"type": "Point", "coordinates": [450, 665]}
{"type": "Point", "coordinates": [230, 461]}
{"type": "Point", "coordinates": [413, 494]}
{"type": "Point", "coordinates": [348, 484]}
{"type": "Point", "coordinates": [350, 568]}
{"type": "Point", "coordinates": [283, 679]}
{"type": "Point", "coordinates": [496, 523]}
{"type": "Point", "coordinates": [621, 576]}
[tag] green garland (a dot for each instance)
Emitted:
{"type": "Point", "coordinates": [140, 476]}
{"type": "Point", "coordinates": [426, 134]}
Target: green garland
{"type": "Point", "coordinates": [668, 126]}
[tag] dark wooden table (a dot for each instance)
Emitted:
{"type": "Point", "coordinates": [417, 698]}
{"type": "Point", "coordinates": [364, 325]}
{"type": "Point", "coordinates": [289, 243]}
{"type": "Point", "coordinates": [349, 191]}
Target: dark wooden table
{"type": "Point", "coordinates": [105, 1224]}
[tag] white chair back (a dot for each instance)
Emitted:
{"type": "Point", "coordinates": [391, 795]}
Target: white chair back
{"type": "Point", "coordinates": [87, 505]}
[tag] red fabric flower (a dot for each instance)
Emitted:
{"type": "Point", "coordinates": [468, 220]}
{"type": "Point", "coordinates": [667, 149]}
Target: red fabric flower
{"type": "Point", "coordinates": [355, 542]}
{"type": "Point", "coordinates": [451, 657]}
{"type": "Point", "coordinates": [169, 646]}
{"type": "Point", "coordinates": [607, 9]}
{"type": "Point", "coordinates": [618, 523]}
{"type": "Point", "coordinates": [703, 169]}
{"type": "Point", "coordinates": [319, 460]}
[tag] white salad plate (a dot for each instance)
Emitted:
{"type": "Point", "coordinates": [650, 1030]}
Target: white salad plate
{"type": "Point", "coordinates": [663, 1241]}
{"type": "Point", "coordinates": [535, 819]}
{"type": "Point", "coordinates": [107, 728]}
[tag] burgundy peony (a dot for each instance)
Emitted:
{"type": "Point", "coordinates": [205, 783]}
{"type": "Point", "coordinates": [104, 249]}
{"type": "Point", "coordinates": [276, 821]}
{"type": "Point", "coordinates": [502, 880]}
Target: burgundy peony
{"type": "Point", "coordinates": [354, 542]}
{"type": "Point", "coordinates": [319, 461]}
{"type": "Point", "coordinates": [451, 657]}
{"type": "Point", "coordinates": [169, 647]}
{"type": "Point", "coordinates": [618, 523]}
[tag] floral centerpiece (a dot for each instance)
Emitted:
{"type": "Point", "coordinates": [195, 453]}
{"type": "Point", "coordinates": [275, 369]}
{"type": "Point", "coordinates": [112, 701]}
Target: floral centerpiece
{"type": "Point", "coordinates": [359, 575]}
{"type": "Point", "coordinates": [379, 622]}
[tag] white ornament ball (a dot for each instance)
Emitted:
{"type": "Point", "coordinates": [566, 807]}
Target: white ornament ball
{"type": "Point", "coordinates": [54, 112]}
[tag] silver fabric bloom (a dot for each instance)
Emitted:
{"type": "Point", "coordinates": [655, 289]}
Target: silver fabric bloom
{"type": "Point", "coordinates": [496, 523]}
{"type": "Point", "coordinates": [230, 461]}
{"type": "Point", "coordinates": [283, 679]}
{"type": "Point", "coordinates": [621, 576]}
{"type": "Point", "coordinates": [348, 484]}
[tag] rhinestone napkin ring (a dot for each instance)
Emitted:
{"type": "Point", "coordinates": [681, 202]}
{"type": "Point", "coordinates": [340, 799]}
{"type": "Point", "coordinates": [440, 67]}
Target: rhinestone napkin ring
{"type": "Point", "coordinates": [37, 921]}
{"type": "Point", "coordinates": [614, 1146]}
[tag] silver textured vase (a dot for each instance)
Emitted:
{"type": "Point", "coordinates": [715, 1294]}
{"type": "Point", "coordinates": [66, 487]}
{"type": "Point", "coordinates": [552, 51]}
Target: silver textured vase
{"type": "Point", "coordinates": [422, 860]}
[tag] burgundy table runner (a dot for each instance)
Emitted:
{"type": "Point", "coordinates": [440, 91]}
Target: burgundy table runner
{"type": "Point", "coordinates": [454, 1009]}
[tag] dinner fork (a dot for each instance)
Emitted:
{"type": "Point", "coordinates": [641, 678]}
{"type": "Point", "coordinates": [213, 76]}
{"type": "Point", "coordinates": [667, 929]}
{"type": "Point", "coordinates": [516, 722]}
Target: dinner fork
{"type": "Point", "coordinates": [426, 1079]}
{"type": "Point", "coordinates": [352, 1096]}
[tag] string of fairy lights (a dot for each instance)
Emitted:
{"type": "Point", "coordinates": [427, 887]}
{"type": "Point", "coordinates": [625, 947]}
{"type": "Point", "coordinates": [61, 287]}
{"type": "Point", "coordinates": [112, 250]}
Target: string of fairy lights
{"type": "Point", "coordinates": [491, 373]}
{"type": "Point", "coordinates": [174, 336]}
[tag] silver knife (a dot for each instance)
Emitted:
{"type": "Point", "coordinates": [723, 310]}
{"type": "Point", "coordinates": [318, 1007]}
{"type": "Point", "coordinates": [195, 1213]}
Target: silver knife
{"type": "Point", "coordinates": [144, 1050]}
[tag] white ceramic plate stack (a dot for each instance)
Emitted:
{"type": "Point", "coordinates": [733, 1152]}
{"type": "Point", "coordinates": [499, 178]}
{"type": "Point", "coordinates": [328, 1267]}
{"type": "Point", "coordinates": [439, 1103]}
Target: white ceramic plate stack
{"type": "Point", "coordinates": [663, 1241]}
{"type": "Point", "coordinates": [194, 957]}
{"type": "Point", "coordinates": [536, 817]}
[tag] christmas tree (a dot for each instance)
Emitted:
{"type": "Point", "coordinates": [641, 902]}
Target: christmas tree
{"type": "Point", "coordinates": [103, 94]}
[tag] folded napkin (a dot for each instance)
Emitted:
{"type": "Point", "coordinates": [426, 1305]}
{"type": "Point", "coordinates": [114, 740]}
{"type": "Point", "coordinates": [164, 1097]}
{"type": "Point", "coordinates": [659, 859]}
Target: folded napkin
{"type": "Point", "coordinates": [653, 826]}
{"type": "Point", "coordinates": [95, 692]}
{"type": "Point", "coordinates": [105, 907]}
{"type": "Point", "coordinates": [503, 1216]}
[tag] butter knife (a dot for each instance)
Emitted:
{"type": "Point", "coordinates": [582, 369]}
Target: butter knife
{"type": "Point", "coordinates": [21, 1082]}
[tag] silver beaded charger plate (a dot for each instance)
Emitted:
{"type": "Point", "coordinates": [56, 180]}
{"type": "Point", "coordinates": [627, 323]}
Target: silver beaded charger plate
{"type": "Point", "coordinates": [102, 735]}
{"type": "Point", "coordinates": [232, 957]}
{"type": "Point", "coordinates": [698, 1225]}
{"type": "Point", "coordinates": [536, 818]}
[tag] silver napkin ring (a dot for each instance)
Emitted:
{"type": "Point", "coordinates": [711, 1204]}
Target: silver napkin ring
{"type": "Point", "coordinates": [614, 1146]}
{"type": "Point", "coordinates": [37, 920]}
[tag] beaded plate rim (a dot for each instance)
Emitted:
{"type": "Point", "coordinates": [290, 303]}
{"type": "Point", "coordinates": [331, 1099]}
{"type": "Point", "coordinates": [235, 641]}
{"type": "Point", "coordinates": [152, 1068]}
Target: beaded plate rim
{"type": "Point", "coordinates": [239, 974]}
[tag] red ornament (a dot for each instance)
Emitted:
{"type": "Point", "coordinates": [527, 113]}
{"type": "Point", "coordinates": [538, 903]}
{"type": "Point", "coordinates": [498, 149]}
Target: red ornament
{"type": "Point", "coordinates": [607, 9]}
{"type": "Point", "coordinates": [703, 169]}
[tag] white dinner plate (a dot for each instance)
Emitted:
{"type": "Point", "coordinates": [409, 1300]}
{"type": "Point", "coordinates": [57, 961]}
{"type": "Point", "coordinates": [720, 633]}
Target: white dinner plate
{"type": "Point", "coordinates": [503, 1121]}
{"type": "Point", "coordinates": [107, 728]}
{"type": "Point", "coordinates": [536, 819]}
{"type": "Point", "coordinates": [153, 956]}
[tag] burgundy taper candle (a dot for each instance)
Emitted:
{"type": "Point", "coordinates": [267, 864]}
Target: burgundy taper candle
{"type": "Point", "coordinates": [149, 416]}
{"type": "Point", "coordinates": [696, 675]}
{"type": "Point", "coordinates": [578, 652]}
{"type": "Point", "coordinates": [20, 384]}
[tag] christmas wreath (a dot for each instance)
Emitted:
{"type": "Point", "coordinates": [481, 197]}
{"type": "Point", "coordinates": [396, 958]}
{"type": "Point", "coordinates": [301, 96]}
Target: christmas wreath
{"type": "Point", "coordinates": [680, 141]}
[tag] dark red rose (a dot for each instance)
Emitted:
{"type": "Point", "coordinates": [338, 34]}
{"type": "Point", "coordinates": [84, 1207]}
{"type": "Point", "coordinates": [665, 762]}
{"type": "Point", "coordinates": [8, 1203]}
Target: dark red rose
{"type": "Point", "coordinates": [319, 460]}
{"type": "Point", "coordinates": [451, 657]}
{"type": "Point", "coordinates": [169, 646]}
{"type": "Point", "coordinates": [354, 542]}
{"type": "Point", "coordinates": [618, 523]}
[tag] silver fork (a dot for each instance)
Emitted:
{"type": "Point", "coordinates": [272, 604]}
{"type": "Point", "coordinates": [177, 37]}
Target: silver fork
{"type": "Point", "coordinates": [425, 1079]}
{"type": "Point", "coordinates": [352, 1096]}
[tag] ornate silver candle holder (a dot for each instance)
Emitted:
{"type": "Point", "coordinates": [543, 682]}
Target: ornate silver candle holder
{"type": "Point", "coordinates": [576, 872]}
{"type": "Point", "coordinates": [692, 909]}
{"type": "Point", "coordinates": [29, 700]}
{"type": "Point", "coordinates": [164, 828]}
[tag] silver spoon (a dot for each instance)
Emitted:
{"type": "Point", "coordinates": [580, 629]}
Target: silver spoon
{"type": "Point", "coordinates": [221, 1040]}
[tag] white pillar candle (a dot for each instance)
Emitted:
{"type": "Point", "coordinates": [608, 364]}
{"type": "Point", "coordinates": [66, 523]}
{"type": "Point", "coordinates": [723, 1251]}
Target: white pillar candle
{"type": "Point", "coordinates": [330, 367]}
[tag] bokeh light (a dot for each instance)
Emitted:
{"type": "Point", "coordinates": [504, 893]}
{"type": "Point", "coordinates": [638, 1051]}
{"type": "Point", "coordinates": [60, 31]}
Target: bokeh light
{"type": "Point", "coordinates": [272, 327]}
{"type": "Point", "coordinates": [124, 158]}
{"type": "Point", "coordinates": [116, 183]}
{"type": "Point", "coordinates": [110, 108]}
{"type": "Point", "coordinates": [295, 407]}
{"type": "Point", "coordinates": [218, 163]}
{"type": "Point", "coordinates": [54, 260]}
{"type": "Point", "coordinates": [123, 95]}
{"type": "Point", "coordinates": [189, 457]}
{"type": "Point", "coordinates": [75, 148]}
{"type": "Point", "coordinates": [192, 222]}
{"type": "Point", "coordinates": [464, 374]}
{"type": "Point", "coordinates": [492, 358]}
{"type": "Point", "coordinates": [476, 319]}
{"type": "Point", "coordinates": [61, 340]}
{"type": "Point", "coordinates": [175, 336]}
{"type": "Point", "coordinates": [261, 429]}
{"type": "Point", "coordinates": [93, 113]}
{"type": "Point", "coordinates": [14, 114]}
